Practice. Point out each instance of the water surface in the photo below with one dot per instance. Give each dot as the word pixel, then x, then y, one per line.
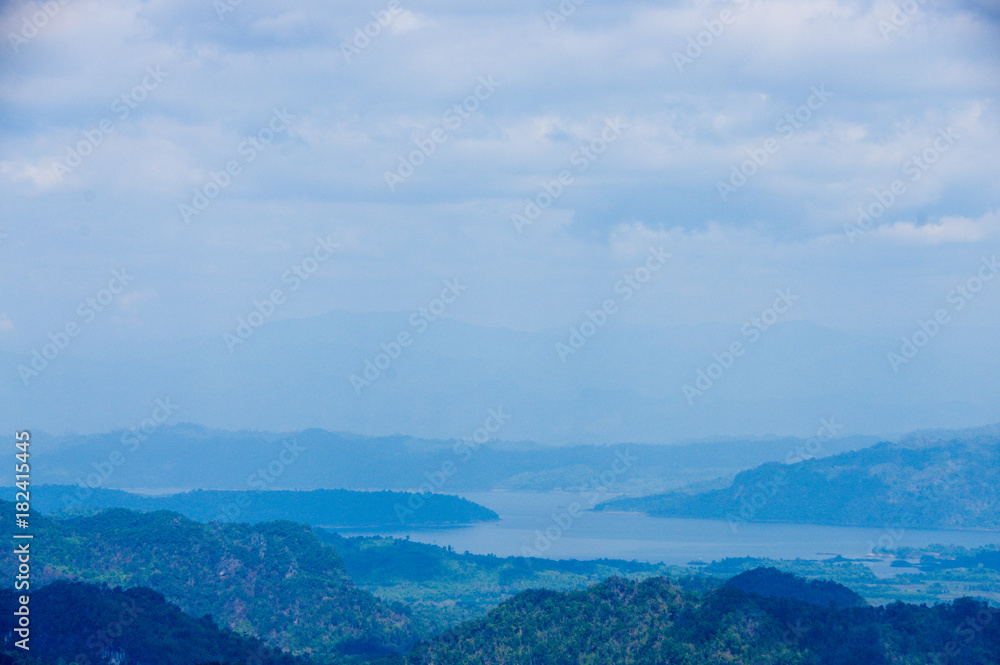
pixel 540 524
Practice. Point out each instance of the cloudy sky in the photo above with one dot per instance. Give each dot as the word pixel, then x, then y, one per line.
pixel 536 151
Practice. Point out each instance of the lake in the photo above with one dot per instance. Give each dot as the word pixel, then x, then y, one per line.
pixel 540 524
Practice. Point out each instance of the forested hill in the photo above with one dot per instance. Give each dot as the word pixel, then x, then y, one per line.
pixel 923 483
pixel 773 583
pixel 332 508
pixel 274 581
pixel 653 622
pixel 86 623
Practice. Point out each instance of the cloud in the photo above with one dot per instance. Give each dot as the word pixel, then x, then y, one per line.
pixel 132 300
pixel 407 21
pixel 42 175
pixel 947 230
pixel 686 132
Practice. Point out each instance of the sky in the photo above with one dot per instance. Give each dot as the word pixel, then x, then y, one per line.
pixel 198 156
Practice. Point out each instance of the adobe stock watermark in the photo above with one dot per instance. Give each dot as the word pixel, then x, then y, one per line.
pixel 813 447
pixel 452 120
pixel 419 321
pixel 101 643
pixel 562 522
pixel 752 502
pixel 86 312
pixel 122 107
pixel 958 298
pixel 786 127
pixel 295 276
pixel 914 167
pixel 563 11
pixel 705 39
pixel 630 283
pixel 462 451
pixel 130 441
pixel 793 633
pixel 261 479
pixel 967 631
pixel 31 26
pixel 582 158
pixel 752 330
pixel 901 16
pixel 363 35
pixel 248 149
pixel 267 475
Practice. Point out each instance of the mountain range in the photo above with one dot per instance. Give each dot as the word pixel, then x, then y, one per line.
pixel 127 588
pixel 943 480
pixel 655 621
pixel 254 460
pixel 273 581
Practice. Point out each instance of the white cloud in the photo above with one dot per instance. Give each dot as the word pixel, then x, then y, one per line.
pixel 657 184
pixel 42 174
pixel 947 230
pixel 407 21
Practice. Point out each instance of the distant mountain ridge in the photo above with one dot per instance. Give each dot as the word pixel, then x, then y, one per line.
pixel 919 482
pixel 243 460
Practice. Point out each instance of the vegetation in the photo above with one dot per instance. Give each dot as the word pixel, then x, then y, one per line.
pixel 937 558
pixel 335 508
pixel 932 586
pixel 293 588
pixel 951 485
pixel 94 625
pixel 773 583
pixel 443 587
pixel 653 622
pixel 274 581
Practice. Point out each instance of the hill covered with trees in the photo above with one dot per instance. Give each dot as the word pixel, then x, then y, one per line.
pixel 274 581
pixel 919 484
pixel 443 587
pixel 92 624
pixel 278 583
pixel 773 583
pixel 332 508
pixel 653 622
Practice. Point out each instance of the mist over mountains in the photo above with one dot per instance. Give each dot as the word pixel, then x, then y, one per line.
pixel 624 383
pixel 190 456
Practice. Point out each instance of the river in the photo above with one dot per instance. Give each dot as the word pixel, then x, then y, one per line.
pixel 540 524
